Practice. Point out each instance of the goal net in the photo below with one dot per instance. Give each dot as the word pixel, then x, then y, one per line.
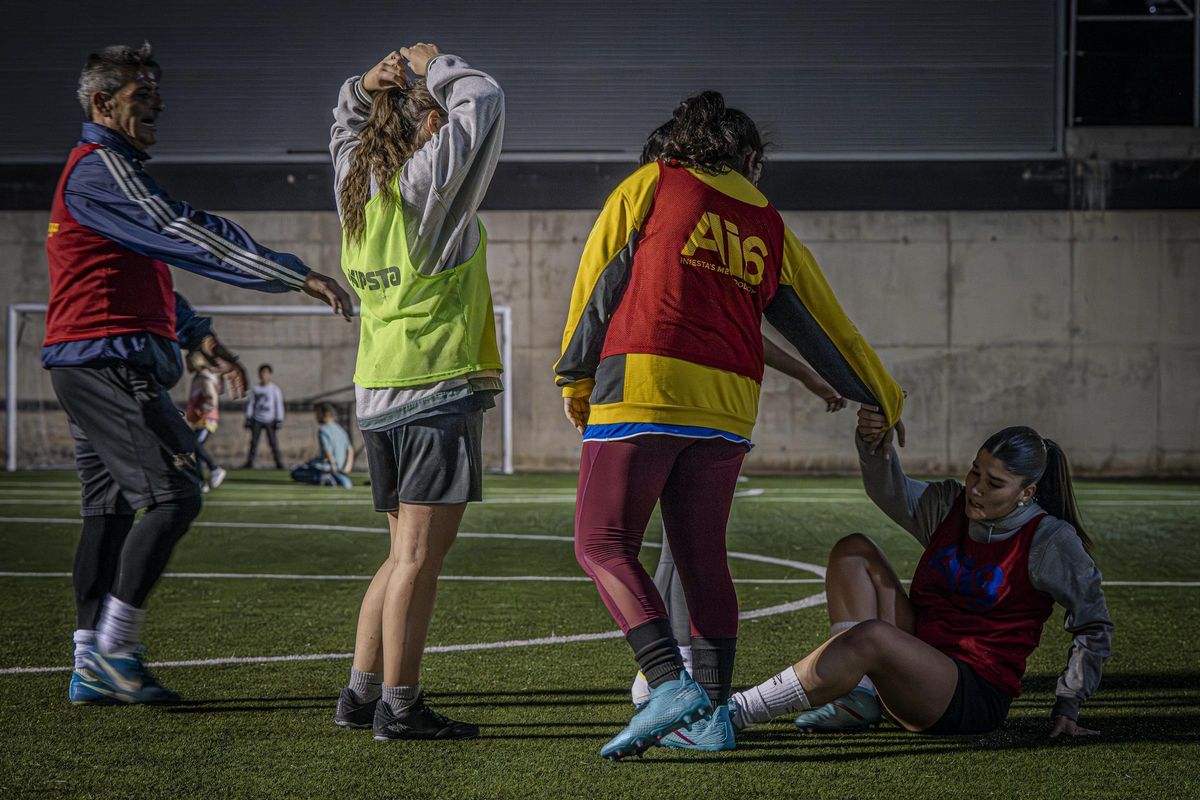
pixel 312 356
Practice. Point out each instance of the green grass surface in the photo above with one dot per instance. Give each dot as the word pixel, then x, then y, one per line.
pixel 265 729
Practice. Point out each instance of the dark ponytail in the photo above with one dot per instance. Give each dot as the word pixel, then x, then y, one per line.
pixel 1041 461
pixel 706 136
pixel 1056 494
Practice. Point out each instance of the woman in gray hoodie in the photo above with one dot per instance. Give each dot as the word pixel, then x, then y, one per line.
pixel 412 161
pixel 947 656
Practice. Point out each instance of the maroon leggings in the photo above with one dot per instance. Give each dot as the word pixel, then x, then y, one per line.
pixel 619 483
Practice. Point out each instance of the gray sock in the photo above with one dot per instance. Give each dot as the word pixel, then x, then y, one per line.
pixel 398 698
pixel 367 686
pixel 120 627
pixel 84 642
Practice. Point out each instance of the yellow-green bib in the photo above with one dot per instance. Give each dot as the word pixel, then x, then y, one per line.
pixel 414 328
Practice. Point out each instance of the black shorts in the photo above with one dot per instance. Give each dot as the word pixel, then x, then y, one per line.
pixel 977 706
pixel 430 461
pixel 133 448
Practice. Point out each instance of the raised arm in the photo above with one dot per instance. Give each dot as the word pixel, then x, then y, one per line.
pixel 445 180
pixel 915 505
pixel 352 110
pixel 1060 567
pixel 809 316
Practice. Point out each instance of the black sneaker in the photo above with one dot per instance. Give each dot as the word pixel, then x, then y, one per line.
pixel 419 721
pixel 354 714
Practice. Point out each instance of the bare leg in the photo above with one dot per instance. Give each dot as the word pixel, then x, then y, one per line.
pixel 424 534
pixel 861 584
pixel 368 640
pixel 915 680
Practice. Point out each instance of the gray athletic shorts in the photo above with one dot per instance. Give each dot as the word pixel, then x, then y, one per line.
pixel 133 448
pixel 431 461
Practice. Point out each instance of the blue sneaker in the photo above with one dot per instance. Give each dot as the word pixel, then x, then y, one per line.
pixel 855 711
pixel 127 678
pixel 674 704
pixel 715 733
pixel 87 689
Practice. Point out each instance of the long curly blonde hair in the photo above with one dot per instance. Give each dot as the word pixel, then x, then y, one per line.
pixel 392 134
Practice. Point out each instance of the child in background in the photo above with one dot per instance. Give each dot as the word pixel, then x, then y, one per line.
pixel 335 454
pixel 203 413
pixel 264 412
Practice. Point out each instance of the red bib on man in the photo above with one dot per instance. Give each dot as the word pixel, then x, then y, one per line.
pixel 98 288
pixel 975 601
pixel 705 267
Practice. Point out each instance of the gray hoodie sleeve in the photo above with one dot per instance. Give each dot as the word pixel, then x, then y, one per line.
pixel 917 506
pixel 444 182
pixel 1060 567
pixel 349 117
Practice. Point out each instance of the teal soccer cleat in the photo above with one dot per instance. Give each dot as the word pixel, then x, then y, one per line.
pixel 855 711
pixel 674 704
pixel 86 689
pixel 127 679
pixel 711 734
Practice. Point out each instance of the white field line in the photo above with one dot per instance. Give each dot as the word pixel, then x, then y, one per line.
pixel 783 608
pixel 363 503
pixel 531 537
pixel 276 576
pixel 782 491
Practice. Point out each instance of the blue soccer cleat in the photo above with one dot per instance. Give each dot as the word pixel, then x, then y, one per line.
pixel 674 704
pixel 855 711
pixel 715 733
pixel 87 689
pixel 128 680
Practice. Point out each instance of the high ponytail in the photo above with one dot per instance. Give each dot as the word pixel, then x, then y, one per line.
pixel 1056 493
pixel 1041 461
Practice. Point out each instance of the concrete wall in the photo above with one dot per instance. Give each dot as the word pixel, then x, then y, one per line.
pixel 1082 324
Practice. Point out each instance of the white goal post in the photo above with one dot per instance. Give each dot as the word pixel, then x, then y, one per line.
pixel 16 310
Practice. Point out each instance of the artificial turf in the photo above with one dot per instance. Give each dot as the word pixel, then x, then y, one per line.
pixel 265 729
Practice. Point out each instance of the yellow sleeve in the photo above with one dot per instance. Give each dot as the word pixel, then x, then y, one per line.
pixel 808 314
pixel 603 274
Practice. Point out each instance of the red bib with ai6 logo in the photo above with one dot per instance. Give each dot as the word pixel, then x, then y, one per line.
pixel 706 266
pixel 975 602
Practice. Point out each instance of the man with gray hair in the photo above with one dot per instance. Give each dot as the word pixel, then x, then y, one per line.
pixel 113 350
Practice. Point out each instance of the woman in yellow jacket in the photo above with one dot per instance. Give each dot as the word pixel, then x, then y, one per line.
pixel 661 368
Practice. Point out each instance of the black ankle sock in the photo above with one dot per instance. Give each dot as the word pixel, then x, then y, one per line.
pixel 712 666
pixel 656 652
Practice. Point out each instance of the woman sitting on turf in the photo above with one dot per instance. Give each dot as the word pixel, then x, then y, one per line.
pixel 412 162
pixel 661 367
pixel 948 656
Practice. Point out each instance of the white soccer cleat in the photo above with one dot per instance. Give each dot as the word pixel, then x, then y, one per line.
pixel 216 478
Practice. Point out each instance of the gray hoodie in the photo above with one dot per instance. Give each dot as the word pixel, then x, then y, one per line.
pixel 1058 564
pixel 441 188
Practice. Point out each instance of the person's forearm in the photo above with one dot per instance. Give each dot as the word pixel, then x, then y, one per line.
pixel 780 360
pixel 1060 567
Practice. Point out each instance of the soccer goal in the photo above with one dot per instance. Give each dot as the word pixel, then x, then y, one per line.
pixel 312 356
